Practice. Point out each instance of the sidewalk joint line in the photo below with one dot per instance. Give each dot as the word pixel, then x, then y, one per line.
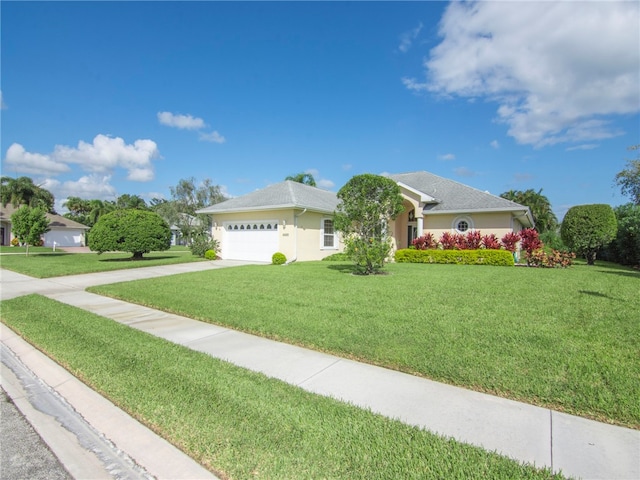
pixel 319 372
pixel 551 437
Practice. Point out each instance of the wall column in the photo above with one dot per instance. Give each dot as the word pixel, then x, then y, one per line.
pixel 420 219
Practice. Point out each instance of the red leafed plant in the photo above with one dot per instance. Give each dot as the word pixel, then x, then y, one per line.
pixel 425 242
pixel 530 240
pixel 448 241
pixel 491 242
pixel 510 241
pixel 473 240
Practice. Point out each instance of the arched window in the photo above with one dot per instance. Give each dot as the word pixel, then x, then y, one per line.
pixel 462 224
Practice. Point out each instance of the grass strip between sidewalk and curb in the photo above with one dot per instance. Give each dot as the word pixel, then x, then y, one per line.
pixel 238 423
pixel 564 339
pixel 47 265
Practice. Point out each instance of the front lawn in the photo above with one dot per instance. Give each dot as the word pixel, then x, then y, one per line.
pixel 237 423
pixel 46 265
pixel 563 339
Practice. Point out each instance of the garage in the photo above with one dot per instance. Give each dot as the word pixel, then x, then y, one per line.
pixel 64 238
pixel 250 240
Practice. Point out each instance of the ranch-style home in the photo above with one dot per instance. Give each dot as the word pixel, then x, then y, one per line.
pixel 62 231
pixel 296 219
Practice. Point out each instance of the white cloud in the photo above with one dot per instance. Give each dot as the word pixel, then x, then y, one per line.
pixel 107 153
pixel 183 122
pixel 584 146
pixel 87 187
pixel 523 177
pixel 413 85
pixel 495 144
pixel 3 106
pixel 556 69
pixel 447 157
pixel 214 137
pixel 32 163
pixel 103 155
pixel 465 172
pixel 407 38
pixel 346 167
pixel 325 183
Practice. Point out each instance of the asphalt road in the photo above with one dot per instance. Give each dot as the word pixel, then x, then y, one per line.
pixel 23 454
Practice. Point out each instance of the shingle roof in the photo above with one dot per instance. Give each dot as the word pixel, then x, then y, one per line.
pixel 452 196
pixel 287 194
pixel 55 221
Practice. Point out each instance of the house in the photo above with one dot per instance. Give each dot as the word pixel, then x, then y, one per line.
pixel 436 205
pixel 296 219
pixel 62 231
pixel 288 217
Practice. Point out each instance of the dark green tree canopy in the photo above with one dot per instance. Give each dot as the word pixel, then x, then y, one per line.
pixel 304 177
pixel 629 179
pixel 544 218
pixel 130 230
pixel 22 191
pixel 367 204
pixel 29 224
pixel 587 228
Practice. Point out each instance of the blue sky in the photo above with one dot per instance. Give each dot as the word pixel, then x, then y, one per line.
pixel 102 99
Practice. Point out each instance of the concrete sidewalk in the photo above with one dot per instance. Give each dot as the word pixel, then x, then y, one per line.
pixel 576 446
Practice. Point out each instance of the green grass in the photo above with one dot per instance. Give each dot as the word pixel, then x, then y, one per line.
pixel 23 250
pixel 58 264
pixel 237 423
pixel 563 339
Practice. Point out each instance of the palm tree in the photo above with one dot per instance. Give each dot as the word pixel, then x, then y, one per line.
pixel 305 178
pixel 99 208
pixel 22 191
pixel 539 205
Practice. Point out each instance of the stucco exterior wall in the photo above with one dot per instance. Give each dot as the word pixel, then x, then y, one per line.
pixel 499 223
pixel 302 243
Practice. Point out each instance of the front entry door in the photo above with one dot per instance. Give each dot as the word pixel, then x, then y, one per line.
pixel 412 233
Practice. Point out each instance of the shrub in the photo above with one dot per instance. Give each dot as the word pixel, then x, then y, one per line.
pixel 530 242
pixel 130 230
pixel 587 228
pixel 473 240
pixel 15 242
pixel 336 257
pixel 510 241
pixel 201 244
pixel 278 258
pixel 448 241
pixel 491 242
pixel 555 259
pixel 210 254
pixel 458 257
pixel 625 249
pixel 425 242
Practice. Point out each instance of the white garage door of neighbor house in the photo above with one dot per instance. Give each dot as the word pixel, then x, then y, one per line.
pixel 255 241
pixel 63 238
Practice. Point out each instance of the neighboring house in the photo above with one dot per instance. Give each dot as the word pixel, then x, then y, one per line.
pixel 296 219
pixel 177 238
pixel 62 231
pixel 287 217
pixel 436 205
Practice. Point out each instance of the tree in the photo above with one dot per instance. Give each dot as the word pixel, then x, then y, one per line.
pixel 625 249
pixel 22 191
pixel 29 224
pixel 544 218
pixel 130 230
pixel 305 178
pixel 131 201
pixel 367 203
pixel 587 228
pixel 187 197
pixel 629 179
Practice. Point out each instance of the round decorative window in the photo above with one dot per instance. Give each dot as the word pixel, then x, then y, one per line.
pixel 462 224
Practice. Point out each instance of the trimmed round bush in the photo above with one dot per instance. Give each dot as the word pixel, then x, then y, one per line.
pixel 130 230
pixel 278 258
pixel 210 255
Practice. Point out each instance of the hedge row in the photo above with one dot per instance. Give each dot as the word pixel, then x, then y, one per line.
pixel 458 257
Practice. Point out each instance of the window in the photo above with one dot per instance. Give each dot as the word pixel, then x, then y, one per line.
pixel 328 234
pixel 462 224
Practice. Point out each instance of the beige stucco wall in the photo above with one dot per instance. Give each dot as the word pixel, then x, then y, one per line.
pixel 302 243
pixel 499 223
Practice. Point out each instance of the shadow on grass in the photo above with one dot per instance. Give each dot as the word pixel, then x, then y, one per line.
pixel 596 294
pixel 342 268
pixel 132 259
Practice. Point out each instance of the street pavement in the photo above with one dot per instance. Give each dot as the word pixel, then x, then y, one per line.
pixel 573 445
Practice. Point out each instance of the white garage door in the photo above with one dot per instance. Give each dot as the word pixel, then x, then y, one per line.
pixel 255 241
pixel 64 238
